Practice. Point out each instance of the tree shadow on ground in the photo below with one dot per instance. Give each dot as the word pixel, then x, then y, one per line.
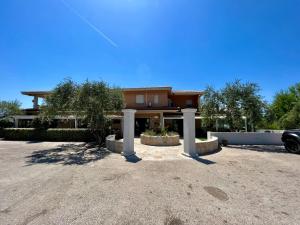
pixel 261 148
pixel 68 154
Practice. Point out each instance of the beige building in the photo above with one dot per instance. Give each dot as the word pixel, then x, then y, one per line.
pixel 156 107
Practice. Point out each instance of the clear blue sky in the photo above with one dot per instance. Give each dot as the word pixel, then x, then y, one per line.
pixel 186 44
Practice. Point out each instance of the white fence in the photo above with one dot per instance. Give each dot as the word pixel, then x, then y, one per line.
pixel 248 138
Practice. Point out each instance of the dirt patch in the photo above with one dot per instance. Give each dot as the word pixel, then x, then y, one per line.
pixel 7 210
pixel 113 177
pixel 173 220
pixel 216 192
pixel 34 216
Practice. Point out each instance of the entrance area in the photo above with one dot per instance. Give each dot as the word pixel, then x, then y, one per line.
pixel 175 125
pixel 141 125
pixel 150 152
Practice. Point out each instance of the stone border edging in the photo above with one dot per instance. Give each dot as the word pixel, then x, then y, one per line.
pixel 114 145
pixel 160 140
pixel 207 147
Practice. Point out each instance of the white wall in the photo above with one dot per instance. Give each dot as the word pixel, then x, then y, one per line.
pixel 248 138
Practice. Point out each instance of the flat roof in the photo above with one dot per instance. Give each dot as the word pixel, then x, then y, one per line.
pixel 188 92
pixel 166 88
pixel 41 94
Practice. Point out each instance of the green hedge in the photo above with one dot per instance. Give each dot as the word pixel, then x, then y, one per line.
pixel 32 134
pixel 1 132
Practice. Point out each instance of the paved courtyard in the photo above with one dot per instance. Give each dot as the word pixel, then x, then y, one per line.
pixel 45 183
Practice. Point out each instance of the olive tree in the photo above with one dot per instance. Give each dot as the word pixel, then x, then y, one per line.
pixel 285 109
pixel 9 108
pixel 234 101
pixel 91 101
pixel 211 107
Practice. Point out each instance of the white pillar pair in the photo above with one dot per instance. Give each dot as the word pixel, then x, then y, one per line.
pixel 188 132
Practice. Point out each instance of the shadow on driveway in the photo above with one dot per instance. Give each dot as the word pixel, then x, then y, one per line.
pixel 68 154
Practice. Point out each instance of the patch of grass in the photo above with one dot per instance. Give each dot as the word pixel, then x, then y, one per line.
pixel 202 139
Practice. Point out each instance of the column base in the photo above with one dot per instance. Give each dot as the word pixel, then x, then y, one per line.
pixel 190 156
pixel 127 154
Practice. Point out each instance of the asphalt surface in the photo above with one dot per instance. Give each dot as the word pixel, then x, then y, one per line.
pixel 42 183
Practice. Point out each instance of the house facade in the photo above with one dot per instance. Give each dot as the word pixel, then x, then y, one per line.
pixel 157 107
pixel 160 107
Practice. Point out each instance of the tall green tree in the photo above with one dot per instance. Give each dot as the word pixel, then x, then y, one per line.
pixel 235 101
pixel 252 105
pixel 211 107
pixel 10 108
pixel 91 101
pixel 231 98
pixel 284 110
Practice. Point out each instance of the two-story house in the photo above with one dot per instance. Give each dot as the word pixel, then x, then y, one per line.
pixel 160 107
pixel 157 107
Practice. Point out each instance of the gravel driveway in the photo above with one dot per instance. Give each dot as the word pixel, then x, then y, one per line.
pixel 44 183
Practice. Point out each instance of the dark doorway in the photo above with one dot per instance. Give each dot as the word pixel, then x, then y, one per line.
pixel 141 125
pixel 175 125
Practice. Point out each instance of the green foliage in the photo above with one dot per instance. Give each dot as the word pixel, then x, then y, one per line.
pixel 160 132
pixel 41 123
pixel 234 101
pixel 91 101
pixel 6 123
pixel 9 108
pixel 31 134
pixel 210 107
pixel 62 100
pixel 284 110
pixel 291 120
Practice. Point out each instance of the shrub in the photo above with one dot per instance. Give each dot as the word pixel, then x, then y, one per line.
pixel 161 132
pixel 5 123
pixel 40 123
pixel 150 132
pixel 31 134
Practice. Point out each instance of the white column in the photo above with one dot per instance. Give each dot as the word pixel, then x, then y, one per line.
pixel 16 122
pixel 128 132
pixel 189 132
pixel 162 125
pixel 76 123
pixel 246 127
pixel 35 102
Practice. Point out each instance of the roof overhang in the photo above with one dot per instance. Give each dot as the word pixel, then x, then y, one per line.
pixel 148 89
pixel 188 92
pixel 41 94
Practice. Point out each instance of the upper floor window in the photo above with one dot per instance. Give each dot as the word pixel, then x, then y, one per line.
pixel 189 102
pixel 139 99
pixel 156 100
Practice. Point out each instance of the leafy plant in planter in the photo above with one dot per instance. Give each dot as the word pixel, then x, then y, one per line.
pixel 160 132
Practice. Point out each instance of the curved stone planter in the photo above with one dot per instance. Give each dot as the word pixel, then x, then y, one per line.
pixel 207 147
pixel 114 145
pixel 160 140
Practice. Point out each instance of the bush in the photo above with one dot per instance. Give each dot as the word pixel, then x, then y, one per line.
pixel 160 132
pixel 5 123
pixel 31 134
pixel 39 123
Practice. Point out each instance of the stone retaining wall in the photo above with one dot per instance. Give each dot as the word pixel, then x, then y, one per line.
pixel 206 147
pixel 114 145
pixel 160 140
